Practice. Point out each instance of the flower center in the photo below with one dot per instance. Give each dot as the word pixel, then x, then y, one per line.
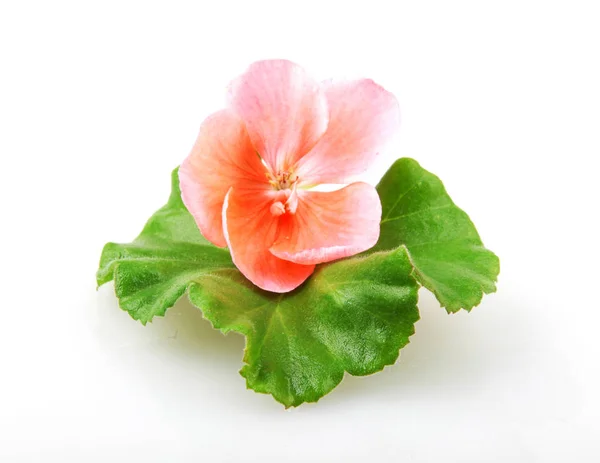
pixel 282 180
pixel 285 182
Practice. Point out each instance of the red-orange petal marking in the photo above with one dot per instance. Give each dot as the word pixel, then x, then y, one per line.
pixel 250 229
pixel 222 157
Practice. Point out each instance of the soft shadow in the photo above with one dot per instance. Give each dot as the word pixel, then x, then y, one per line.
pixel 182 331
pixel 179 360
pixel 446 353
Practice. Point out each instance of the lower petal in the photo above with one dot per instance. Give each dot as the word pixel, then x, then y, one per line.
pixel 250 229
pixel 329 226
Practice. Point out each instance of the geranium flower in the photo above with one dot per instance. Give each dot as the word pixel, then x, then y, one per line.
pixel 247 180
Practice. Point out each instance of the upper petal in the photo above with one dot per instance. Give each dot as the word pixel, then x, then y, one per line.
pixel 284 109
pixel 329 226
pixel 250 229
pixel 222 157
pixel 362 118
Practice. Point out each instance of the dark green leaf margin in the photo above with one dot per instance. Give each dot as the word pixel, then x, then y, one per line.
pixel 444 246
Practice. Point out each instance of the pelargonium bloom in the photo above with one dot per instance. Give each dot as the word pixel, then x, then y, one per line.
pixel 247 180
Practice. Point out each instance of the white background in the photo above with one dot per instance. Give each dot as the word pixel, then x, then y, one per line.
pixel 100 100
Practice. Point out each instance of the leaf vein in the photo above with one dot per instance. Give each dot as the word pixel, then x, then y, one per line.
pixel 421 180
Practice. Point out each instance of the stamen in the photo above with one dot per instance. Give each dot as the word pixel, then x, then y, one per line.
pixel 282 180
pixel 272 180
pixel 286 182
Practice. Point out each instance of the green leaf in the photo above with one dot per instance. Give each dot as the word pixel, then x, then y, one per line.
pixel 443 244
pixel 153 271
pixel 353 315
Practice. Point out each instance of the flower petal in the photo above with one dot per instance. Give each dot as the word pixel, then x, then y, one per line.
pixel 285 110
pixel 329 226
pixel 362 118
pixel 222 157
pixel 250 229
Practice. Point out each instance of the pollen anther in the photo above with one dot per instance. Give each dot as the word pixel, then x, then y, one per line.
pixel 282 180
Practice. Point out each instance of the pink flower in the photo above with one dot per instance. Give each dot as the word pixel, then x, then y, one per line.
pixel 246 181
